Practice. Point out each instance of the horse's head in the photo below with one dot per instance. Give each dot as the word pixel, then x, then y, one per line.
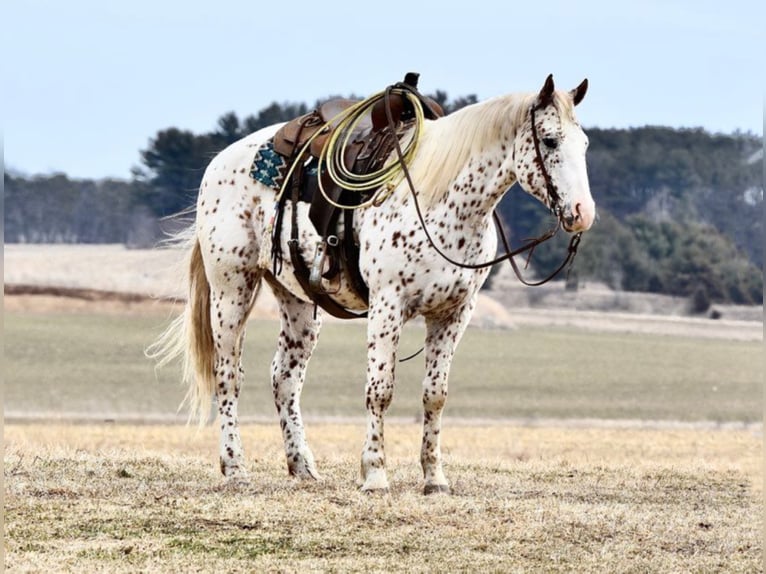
pixel 549 153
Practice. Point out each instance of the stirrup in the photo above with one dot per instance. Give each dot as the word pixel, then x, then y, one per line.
pixel 317 267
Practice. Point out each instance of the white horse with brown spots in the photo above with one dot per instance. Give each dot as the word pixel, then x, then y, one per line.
pixel 463 165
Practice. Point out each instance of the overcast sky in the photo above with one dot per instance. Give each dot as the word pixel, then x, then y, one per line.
pixel 88 83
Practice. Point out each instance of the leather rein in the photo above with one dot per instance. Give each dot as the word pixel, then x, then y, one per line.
pixel 509 255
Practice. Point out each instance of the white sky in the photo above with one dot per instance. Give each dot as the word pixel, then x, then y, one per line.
pixel 87 83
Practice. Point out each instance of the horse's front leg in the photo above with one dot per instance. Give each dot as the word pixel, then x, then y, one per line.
pixel 443 333
pixel 297 339
pixel 383 328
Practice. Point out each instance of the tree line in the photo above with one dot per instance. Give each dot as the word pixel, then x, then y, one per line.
pixel 680 210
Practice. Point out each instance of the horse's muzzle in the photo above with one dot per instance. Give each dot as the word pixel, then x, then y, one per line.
pixel 579 218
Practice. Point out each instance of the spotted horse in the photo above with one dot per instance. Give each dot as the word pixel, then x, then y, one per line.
pixel 419 253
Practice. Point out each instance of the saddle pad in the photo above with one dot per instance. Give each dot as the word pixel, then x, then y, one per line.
pixel 269 167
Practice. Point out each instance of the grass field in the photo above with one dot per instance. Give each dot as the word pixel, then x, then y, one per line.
pixel 114 497
pixel 94 365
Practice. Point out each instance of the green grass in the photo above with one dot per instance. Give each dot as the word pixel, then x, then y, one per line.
pixel 65 363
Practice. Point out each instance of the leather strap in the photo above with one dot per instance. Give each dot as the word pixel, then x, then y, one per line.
pixel 302 271
pixel 550 188
pixel 350 255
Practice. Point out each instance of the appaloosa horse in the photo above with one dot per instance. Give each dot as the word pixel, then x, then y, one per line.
pixel 463 165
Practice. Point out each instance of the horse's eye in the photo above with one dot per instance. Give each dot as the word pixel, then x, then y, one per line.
pixel 550 143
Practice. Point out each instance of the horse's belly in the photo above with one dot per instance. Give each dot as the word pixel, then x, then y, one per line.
pixel 338 287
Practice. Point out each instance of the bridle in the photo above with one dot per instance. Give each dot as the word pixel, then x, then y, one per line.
pixel 553 194
pixel 530 244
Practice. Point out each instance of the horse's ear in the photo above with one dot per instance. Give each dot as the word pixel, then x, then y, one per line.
pixel 579 92
pixel 545 96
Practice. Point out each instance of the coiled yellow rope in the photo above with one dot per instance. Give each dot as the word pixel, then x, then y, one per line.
pixel 385 180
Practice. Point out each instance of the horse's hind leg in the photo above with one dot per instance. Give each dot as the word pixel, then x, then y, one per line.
pixel 231 297
pixel 297 340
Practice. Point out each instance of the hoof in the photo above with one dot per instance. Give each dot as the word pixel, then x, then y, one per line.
pixel 436 488
pixel 306 475
pixel 233 474
pixel 302 466
pixel 237 481
pixel 375 491
pixel 374 480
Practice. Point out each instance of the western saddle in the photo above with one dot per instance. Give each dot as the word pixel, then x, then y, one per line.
pixel 370 143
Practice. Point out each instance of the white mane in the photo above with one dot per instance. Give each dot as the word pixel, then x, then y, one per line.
pixel 447 144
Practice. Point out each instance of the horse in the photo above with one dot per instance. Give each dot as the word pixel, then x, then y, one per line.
pixel 463 165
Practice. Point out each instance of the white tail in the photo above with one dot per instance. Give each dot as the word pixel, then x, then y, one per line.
pixel 190 338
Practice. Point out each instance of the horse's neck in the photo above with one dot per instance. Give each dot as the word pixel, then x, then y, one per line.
pixel 480 185
pixel 468 157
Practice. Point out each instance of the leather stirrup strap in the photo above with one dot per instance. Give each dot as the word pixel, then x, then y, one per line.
pixel 351 258
pixel 302 271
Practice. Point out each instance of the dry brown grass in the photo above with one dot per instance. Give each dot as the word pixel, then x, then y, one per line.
pixel 119 498
pixel 148 498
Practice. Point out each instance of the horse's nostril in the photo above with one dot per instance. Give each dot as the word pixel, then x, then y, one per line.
pixel 578 215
